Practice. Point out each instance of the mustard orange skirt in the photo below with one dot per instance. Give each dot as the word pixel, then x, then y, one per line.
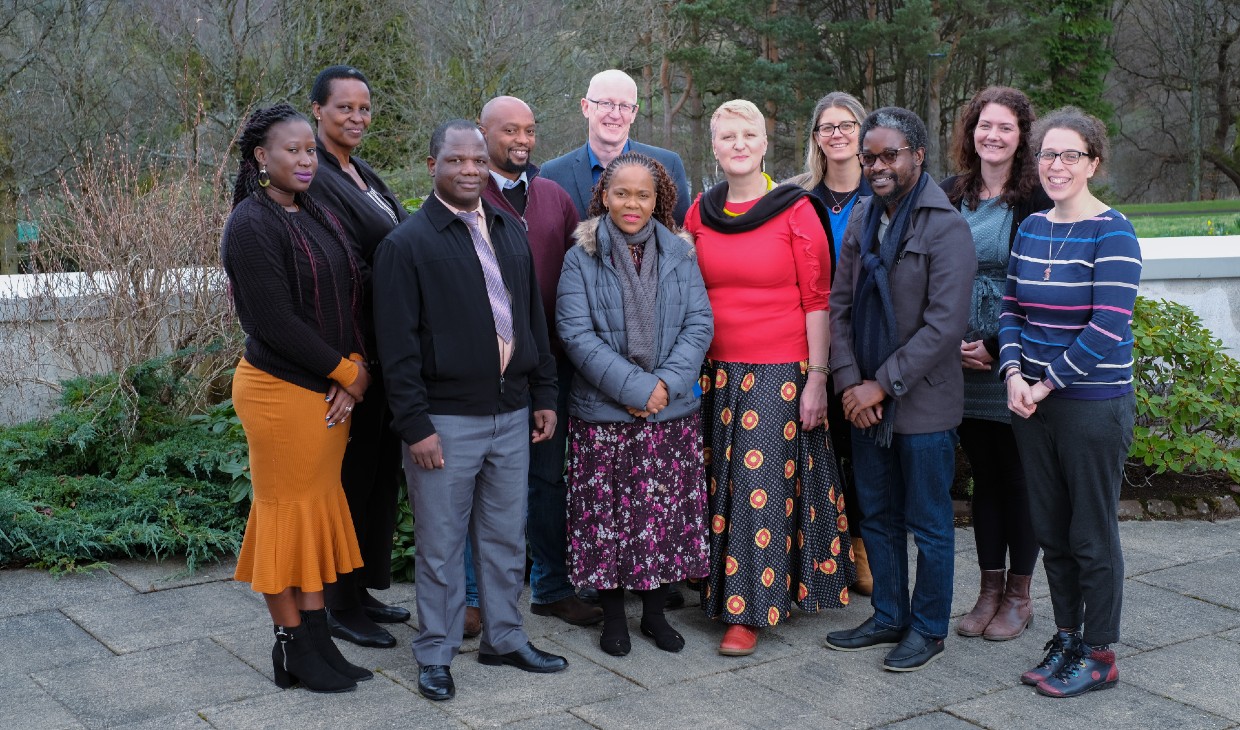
pixel 300 533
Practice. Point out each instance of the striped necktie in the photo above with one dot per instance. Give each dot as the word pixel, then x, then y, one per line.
pixel 501 309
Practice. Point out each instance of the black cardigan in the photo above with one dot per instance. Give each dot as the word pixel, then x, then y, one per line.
pixel 298 319
pixel 1037 201
pixel 435 329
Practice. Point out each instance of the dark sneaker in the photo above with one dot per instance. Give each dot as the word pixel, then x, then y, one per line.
pixel 1087 669
pixel 1057 649
pixel 868 635
pixel 914 652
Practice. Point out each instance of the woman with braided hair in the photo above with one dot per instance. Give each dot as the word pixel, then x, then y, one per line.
pixel 295 283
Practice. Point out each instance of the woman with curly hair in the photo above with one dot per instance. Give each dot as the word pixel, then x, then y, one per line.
pixel 295 283
pixel 997 188
pixel 632 312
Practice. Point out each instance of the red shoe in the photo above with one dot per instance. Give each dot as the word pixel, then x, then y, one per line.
pixel 739 640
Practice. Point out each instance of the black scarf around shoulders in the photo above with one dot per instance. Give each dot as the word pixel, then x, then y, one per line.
pixel 776 201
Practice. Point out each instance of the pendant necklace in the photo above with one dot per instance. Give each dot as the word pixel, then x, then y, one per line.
pixel 837 204
pixel 1046 273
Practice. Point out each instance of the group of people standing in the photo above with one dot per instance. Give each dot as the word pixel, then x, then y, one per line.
pixel 758 392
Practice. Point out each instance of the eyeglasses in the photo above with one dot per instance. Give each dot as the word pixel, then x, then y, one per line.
pixel 609 106
pixel 1068 157
pixel 887 156
pixel 828 129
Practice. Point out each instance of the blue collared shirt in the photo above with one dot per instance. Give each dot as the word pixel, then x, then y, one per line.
pixel 504 183
pixel 596 167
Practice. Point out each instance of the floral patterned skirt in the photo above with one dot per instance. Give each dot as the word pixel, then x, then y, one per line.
pixel 778 531
pixel 636 503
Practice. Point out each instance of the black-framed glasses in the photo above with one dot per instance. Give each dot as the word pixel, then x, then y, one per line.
pixel 887 156
pixel 1069 157
pixel 827 129
pixel 609 106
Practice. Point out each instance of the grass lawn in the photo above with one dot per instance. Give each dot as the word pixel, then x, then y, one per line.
pixel 1201 206
pixel 1157 226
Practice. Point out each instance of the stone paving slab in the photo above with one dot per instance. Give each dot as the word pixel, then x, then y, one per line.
pixel 1212 579
pixel 491 696
pixel 1123 706
pixel 1154 617
pixel 145 576
pixel 1203 672
pixel 150 684
pixel 563 720
pixel 36 641
pixel 26 705
pixel 187 720
pixel 716 701
pixel 145 621
pixel 862 694
pixel 28 591
pixel 932 721
pixel 1156 545
pixel 376 703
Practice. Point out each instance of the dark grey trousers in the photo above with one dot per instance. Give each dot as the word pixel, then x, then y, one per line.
pixel 480 493
pixel 1074 452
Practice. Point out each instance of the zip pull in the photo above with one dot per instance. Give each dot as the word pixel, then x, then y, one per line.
pixel 501 385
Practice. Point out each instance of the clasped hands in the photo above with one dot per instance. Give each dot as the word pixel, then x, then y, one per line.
pixel 863 403
pixel 341 400
pixel 658 401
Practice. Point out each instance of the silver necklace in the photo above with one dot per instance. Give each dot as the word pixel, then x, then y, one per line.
pixel 1046 273
pixel 837 204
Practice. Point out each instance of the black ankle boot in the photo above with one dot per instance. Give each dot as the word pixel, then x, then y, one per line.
pixel 615 638
pixel 295 659
pixel 654 624
pixel 320 636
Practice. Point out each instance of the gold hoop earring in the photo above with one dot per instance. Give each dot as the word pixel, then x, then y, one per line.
pixel 263 178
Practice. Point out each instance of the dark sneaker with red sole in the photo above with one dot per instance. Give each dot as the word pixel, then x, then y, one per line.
pixel 1089 668
pixel 1057 649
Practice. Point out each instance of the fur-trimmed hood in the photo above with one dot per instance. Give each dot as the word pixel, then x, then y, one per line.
pixel 586 236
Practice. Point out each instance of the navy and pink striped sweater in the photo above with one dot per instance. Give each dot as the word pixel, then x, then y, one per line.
pixel 1072 326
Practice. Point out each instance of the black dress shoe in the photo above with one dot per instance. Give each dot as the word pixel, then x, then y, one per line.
pixel 569 609
pixel 913 653
pixel 527 658
pixel 869 635
pixel 589 595
pixel 387 614
pixel 379 638
pixel 435 682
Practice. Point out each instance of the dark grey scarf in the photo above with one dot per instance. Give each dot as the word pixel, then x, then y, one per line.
pixel 638 289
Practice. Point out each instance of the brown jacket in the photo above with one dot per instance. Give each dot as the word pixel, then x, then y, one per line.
pixel 931 285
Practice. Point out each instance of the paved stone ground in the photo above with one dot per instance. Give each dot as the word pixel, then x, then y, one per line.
pixel 144 646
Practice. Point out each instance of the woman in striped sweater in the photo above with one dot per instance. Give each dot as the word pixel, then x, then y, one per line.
pixel 1066 357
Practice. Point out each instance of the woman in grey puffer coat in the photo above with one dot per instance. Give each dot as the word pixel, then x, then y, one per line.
pixel 635 321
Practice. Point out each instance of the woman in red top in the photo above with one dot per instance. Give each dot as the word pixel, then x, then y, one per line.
pixel 778 531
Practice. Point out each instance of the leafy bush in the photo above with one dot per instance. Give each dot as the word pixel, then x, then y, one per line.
pixel 119 471
pixel 1188 393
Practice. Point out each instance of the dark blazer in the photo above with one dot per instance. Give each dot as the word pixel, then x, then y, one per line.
pixel 572 172
pixel 931 285
pixel 435 328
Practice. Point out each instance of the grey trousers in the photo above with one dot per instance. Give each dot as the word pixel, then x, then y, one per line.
pixel 1074 452
pixel 481 491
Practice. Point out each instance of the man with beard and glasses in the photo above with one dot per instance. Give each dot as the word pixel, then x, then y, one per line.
pixel 610 106
pixel 899 308
pixel 550 218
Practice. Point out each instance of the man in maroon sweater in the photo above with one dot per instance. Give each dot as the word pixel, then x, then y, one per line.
pixel 550 218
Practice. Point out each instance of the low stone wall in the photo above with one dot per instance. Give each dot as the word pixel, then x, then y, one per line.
pixel 1202 272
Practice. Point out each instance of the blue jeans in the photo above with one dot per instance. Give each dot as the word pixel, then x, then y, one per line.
pixel 546 527
pixel 907 488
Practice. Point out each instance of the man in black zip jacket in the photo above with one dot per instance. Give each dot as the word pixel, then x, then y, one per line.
pixel 464 347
